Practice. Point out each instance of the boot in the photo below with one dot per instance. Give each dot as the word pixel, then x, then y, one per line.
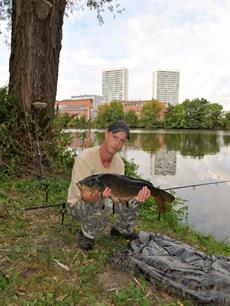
pixel 85 243
pixel 131 236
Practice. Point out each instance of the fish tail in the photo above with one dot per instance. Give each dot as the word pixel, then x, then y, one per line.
pixel 162 198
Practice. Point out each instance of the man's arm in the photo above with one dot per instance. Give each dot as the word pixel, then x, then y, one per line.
pixel 80 170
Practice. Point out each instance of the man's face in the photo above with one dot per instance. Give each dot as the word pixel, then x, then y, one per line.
pixel 115 141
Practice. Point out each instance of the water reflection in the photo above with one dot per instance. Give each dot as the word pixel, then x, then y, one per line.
pixel 226 139
pixel 165 162
pixel 194 144
pixel 174 158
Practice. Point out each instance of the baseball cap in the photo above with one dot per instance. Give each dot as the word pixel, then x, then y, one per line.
pixel 118 126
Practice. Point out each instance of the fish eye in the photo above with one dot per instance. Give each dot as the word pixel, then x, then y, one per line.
pixel 90 183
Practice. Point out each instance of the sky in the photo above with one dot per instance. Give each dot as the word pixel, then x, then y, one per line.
pixel 192 36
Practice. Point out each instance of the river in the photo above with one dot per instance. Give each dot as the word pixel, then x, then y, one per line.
pixel 170 158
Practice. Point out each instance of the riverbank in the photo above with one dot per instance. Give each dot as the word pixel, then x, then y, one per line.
pixel 41 263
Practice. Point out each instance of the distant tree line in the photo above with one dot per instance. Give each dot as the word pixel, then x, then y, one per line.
pixel 195 114
pixel 190 114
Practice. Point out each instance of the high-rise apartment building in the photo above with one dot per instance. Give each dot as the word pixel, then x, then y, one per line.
pixel 115 85
pixel 166 86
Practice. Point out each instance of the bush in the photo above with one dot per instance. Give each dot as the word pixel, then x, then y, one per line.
pixel 131 168
pixel 18 145
pixel 10 145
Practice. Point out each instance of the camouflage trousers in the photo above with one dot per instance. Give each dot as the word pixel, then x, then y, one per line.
pixel 94 217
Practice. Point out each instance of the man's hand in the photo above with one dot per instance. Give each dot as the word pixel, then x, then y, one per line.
pixel 106 193
pixel 143 195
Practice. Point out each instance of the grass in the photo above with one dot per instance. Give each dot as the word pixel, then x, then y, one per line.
pixel 41 264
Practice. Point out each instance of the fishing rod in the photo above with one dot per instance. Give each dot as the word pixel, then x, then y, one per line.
pixel 46 206
pixel 63 211
pixel 196 185
pixel 63 205
pixel 193 185
pixel 172 188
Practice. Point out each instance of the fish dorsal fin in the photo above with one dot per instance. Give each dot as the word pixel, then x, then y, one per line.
pixel 136 180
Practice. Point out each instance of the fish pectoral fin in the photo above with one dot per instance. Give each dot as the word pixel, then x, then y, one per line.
pixel 119 200
pixel 94 193
pixel 101 201
pixel 123 201
pixel 115 199
pixel 100 196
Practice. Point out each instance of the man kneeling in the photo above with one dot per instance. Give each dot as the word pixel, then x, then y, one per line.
pixel 94 212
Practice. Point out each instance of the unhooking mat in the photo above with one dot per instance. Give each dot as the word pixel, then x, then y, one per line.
pixel 177 268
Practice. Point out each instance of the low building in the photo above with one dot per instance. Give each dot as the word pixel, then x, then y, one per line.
pixel 136 106
pixel 85 105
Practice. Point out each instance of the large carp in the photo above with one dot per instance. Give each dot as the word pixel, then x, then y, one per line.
pixel 124 188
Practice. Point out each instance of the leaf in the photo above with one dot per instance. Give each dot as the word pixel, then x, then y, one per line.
pixel 62 265
pixel 61 298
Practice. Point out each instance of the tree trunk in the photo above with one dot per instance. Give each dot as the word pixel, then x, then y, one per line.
pixel 35 49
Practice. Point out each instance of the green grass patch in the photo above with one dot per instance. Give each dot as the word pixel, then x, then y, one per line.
pixel 41 263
